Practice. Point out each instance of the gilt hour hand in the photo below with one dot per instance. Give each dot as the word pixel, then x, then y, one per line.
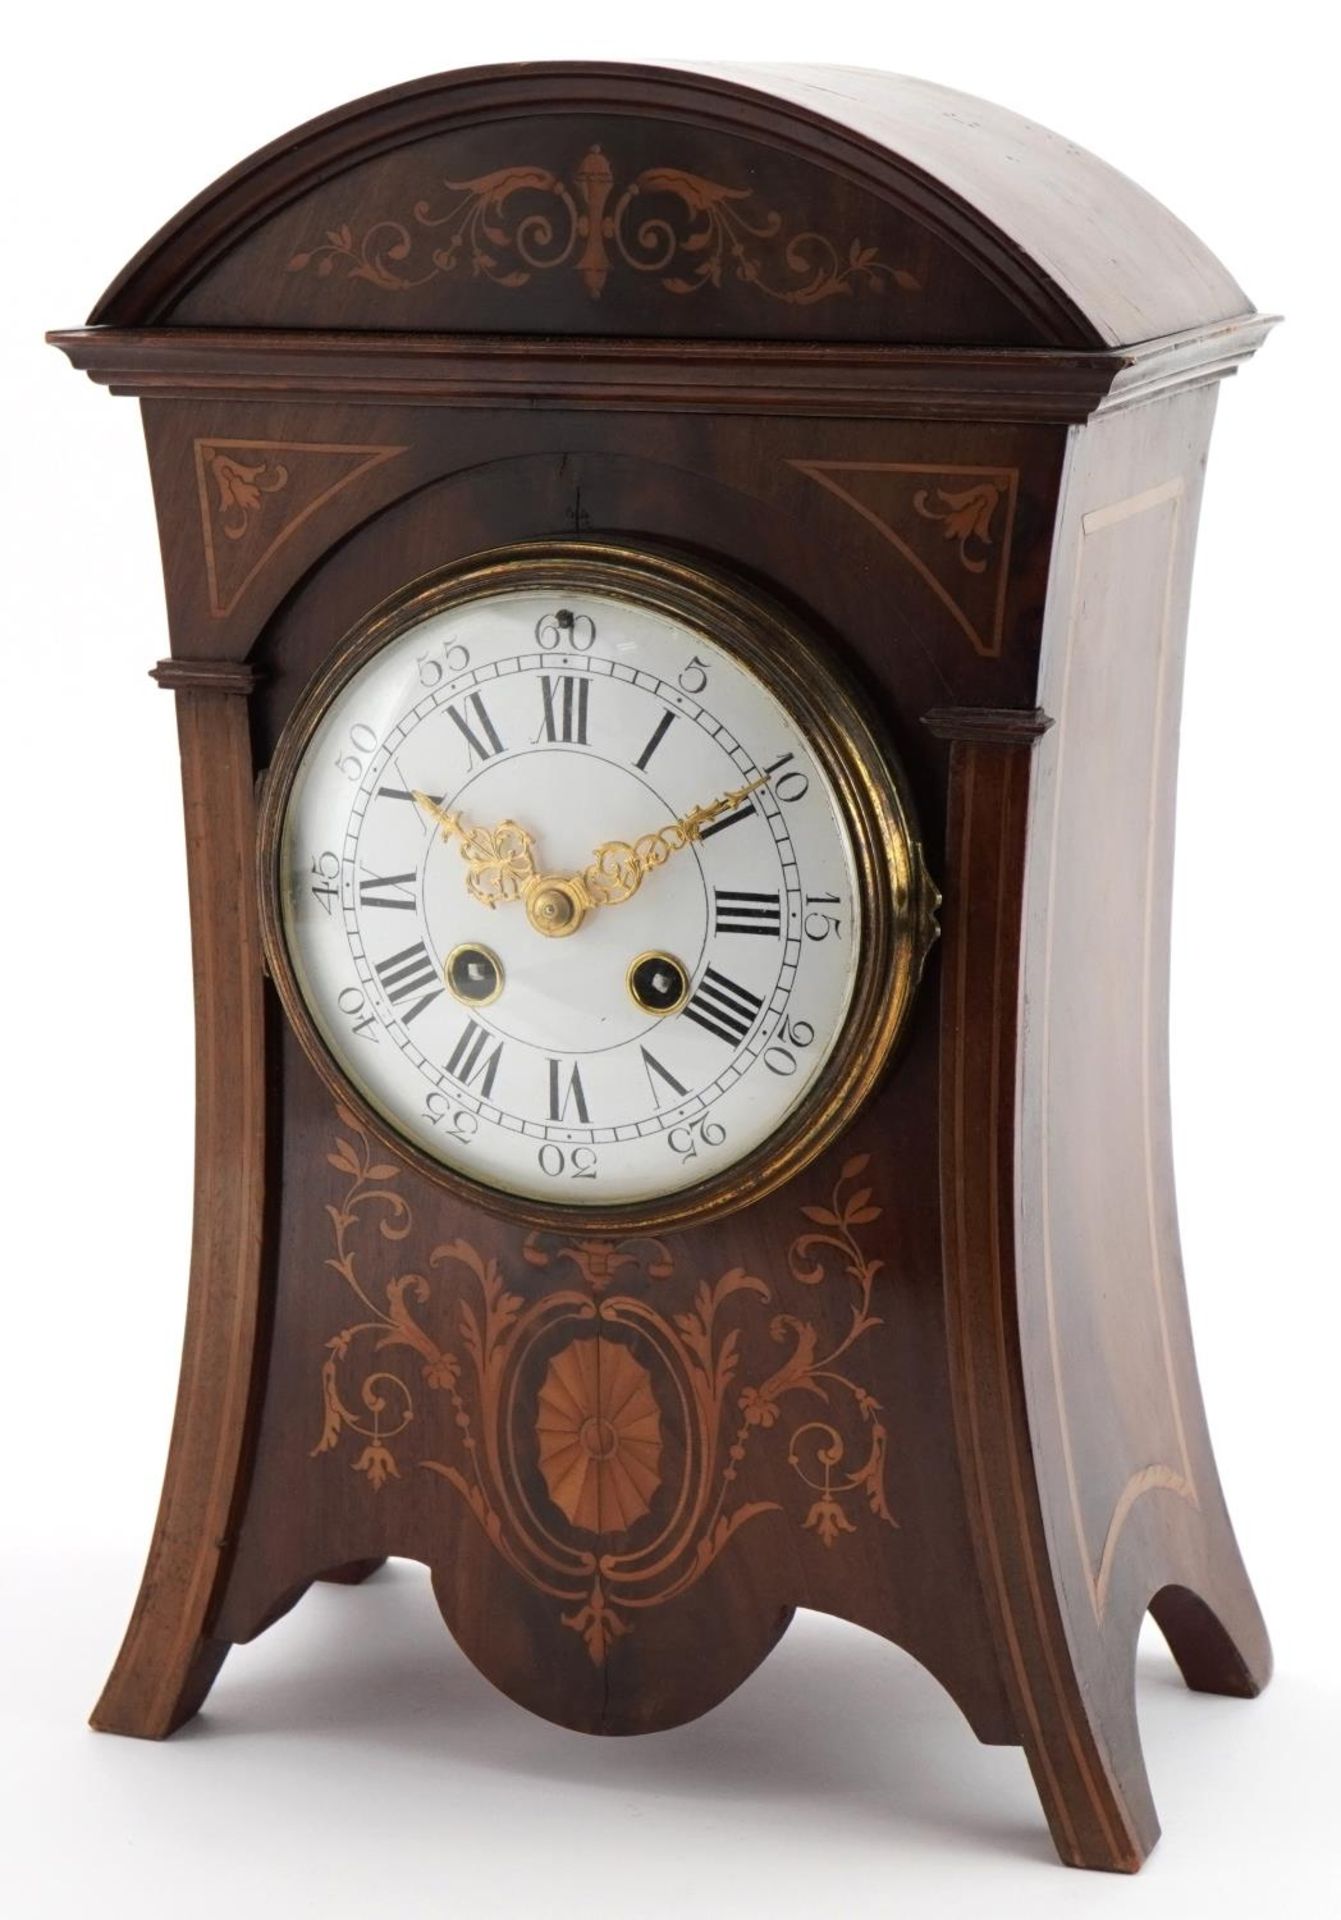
pixel 500 860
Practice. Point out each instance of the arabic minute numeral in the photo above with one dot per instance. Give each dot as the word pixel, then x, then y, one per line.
pixel 566 629
pixel 353 1004
pixel 434 667
pixel 792 1037
pixel 821 918
pixel 694 677
pixel 684 1141
pixel 353 756
pixel 326 874
pixel 453 1122
pixel 790 786
pixel 579 1163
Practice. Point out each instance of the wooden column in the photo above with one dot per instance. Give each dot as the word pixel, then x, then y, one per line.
pixel 1094 1823
pixel 168 1659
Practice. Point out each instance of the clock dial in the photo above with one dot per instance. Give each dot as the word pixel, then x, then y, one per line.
pixel 569 893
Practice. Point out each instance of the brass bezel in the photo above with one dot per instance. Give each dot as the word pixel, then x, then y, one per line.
pixel 898 897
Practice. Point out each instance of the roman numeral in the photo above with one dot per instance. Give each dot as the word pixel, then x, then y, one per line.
pixel 722 1007
pixel 388 890
pixel 470 1063
pixel 406 793
pixel 651 1066
pixel 484 748
pixel 659 732
pixel 409 973
pixel 560 1098
pixel 747 912
pixel 565 696
pixel 726 820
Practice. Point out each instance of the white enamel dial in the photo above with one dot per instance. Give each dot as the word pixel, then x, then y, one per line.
pixel 638 1040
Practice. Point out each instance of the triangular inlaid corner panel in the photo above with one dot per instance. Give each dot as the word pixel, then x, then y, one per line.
pixel 952 524
pixel 254 494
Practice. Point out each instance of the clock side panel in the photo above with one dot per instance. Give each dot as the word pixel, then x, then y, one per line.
pixel 1136 1513
pixel 787 1364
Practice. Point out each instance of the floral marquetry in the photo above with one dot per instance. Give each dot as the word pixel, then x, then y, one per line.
pixel 254 495
pixel 596 1435
pixel 687 231
pixel 953 526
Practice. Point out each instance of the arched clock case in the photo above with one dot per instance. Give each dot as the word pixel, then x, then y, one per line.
pixel 677 585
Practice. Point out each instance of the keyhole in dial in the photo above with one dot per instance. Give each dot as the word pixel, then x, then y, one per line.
pixel 658 983
pixel 474 974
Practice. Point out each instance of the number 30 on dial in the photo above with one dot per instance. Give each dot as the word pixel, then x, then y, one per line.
pixel 591 886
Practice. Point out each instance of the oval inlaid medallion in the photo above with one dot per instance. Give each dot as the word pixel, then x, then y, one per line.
pixel 598 1430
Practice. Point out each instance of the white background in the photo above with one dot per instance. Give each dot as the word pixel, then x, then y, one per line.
pixel 350 1761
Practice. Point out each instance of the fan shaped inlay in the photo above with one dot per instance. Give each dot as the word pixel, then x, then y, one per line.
pixel 598 1430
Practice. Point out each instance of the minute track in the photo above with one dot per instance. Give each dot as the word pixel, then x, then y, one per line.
pixel 719 1083
pixel 561 757
pixel 698 1100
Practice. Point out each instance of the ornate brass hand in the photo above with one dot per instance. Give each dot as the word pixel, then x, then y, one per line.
pixel 621 866
pixel 501 863
pixel 500 860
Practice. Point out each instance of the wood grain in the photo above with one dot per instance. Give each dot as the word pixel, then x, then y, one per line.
pixel 974 476
pixel 719 377
pixel 170 1655
pixel 1068 252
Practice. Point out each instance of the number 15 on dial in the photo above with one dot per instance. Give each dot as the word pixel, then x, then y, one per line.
pixel 589 882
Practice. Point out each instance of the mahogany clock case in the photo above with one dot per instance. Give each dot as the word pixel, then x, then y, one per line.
pixel 941 385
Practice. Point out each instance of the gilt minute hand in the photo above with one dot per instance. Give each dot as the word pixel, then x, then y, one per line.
pixel 620 866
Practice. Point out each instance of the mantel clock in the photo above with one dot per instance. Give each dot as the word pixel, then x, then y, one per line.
pixel 677 583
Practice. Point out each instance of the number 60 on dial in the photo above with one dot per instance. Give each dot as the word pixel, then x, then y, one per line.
pixel 590 883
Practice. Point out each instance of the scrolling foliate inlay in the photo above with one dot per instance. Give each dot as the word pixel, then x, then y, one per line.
pixel 952 524
pixel 561 1407
pixel 687 231
pixel 255 494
